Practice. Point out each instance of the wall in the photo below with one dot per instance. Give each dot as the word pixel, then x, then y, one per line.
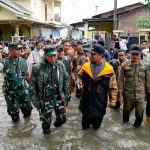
pixel 24 3
pixel 128 20
pixel 36 31
pixel 6 14
pixel 7 31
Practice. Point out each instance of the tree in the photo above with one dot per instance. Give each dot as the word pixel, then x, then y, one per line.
pixel 142 21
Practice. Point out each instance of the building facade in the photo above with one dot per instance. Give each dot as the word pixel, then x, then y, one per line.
pixel 29 18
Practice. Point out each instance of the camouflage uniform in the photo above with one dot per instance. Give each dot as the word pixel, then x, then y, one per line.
pixel 67 62
pixel 132 81
pixel 15 87
pixel 49 89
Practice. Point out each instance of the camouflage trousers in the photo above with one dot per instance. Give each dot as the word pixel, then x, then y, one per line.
pixel 46 115
pixel 16 102
pixel 129 105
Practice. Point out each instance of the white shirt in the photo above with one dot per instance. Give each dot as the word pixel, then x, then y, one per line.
pixel 35 57
pixel 123 44
pixel 146 55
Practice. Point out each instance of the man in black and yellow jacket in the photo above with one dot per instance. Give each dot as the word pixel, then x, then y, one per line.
pixel 99 80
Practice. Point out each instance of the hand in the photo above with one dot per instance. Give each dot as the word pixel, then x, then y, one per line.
pixel 111 105
pixel 66 103
pixel 1 69
pixel 121 98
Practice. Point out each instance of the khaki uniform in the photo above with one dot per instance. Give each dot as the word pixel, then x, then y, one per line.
pixel 133 82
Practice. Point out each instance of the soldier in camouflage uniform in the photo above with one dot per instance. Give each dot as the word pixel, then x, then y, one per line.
pixel 65 59
pixel 49 89
pixel 134 76
pixel 15 88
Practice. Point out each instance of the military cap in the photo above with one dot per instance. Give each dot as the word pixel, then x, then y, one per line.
pixel 13 45
pixel 135 49
pixel 50 50
pixel 97 49
pixel 87 47
pixel 60 49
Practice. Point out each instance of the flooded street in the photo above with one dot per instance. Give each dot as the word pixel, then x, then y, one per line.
pixel 113 134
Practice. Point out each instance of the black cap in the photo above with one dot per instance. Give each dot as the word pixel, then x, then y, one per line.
pixel 97 49
pixel 60 49
pixel 135 49
pixel 79 42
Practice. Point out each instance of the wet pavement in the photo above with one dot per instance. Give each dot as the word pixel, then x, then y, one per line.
pixel 113 134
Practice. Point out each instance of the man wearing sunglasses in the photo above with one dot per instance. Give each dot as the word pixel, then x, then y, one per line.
pixel 15 89
pixel 98 79
pixel 134 79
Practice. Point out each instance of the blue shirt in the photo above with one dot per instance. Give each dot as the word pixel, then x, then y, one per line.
pixel 96 69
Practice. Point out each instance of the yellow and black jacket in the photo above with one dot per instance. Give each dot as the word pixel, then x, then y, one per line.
pixel 95 91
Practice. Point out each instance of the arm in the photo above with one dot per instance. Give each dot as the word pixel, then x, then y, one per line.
pixel 121 84
pixel 33 88
pixel 121 81
pixel 66 84
pixel 148 80
pixel 1 67
pixel 27 77
pixel 113 90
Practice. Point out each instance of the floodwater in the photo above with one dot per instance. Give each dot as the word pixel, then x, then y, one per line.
pixel 112 135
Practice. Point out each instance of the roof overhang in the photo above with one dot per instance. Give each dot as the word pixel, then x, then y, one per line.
pixel 14 7
pixel 91 20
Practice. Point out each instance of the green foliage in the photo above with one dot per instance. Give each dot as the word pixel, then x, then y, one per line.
pixel 142 21
pixel 147 2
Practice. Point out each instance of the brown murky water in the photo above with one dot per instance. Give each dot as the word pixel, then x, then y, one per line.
pixel 113 134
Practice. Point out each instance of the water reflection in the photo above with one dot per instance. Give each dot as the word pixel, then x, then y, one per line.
pixel 113 134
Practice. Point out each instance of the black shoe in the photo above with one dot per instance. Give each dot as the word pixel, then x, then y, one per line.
pixel 46 131
pixel 85 128
pixel 27 115
pixel 59 122
pixel 15 118
pixel 137 123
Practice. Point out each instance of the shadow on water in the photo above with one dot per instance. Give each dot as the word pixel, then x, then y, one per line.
pixel 113 134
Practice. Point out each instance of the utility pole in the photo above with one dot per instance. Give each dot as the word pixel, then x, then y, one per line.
pixel 96 8
pixel 115 15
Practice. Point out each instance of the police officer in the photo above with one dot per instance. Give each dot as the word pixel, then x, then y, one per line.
pixel 49 89
pixel 98 80
pixel 134 75
pixel 15 89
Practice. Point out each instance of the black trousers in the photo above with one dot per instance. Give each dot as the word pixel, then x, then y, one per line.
pixel 94 121
pixel 148 108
